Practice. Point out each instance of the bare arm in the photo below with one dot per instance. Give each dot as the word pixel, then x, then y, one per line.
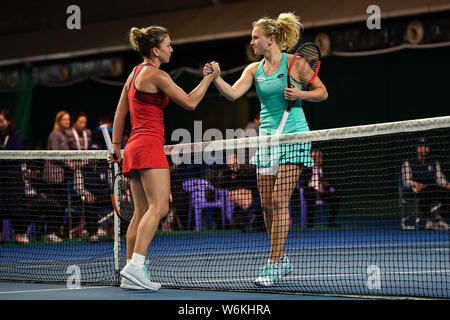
pixel 440 177
pixel 407 176
pixel 240 87
pixel 119 119
pixel 317 93
pixel 187 101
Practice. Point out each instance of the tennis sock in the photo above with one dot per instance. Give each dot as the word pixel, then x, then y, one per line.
pixel 138 259
pixel 271 262
pixel 128 261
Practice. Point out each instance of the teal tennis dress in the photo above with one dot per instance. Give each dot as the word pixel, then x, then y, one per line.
pixel 270 90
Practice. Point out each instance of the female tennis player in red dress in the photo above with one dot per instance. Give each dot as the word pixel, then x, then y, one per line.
pixel 145 95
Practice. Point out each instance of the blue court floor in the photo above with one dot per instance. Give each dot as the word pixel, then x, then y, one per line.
pixel 34 291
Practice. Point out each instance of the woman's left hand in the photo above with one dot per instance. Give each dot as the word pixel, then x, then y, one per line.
pixel 294 93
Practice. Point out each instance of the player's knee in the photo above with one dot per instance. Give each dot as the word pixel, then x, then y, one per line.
pixel 161 210
pixel 277 203
pixel 267 209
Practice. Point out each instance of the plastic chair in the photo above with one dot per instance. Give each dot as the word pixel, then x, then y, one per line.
pixel 198 188
pixel 8 230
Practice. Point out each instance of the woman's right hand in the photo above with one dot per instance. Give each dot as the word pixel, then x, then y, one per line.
pixel 117 153
pixel 211 69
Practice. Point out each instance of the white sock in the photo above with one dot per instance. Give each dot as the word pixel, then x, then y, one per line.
pixel 128 261
pixel 138 259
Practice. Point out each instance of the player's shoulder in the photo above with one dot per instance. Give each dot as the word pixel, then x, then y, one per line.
pixel 154 75
pixel 252 67
pixel 289 57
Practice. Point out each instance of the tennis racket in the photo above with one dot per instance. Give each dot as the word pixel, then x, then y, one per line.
pixel 120 187
pixel 303 69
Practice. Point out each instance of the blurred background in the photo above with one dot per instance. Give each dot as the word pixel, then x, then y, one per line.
pixel 397 72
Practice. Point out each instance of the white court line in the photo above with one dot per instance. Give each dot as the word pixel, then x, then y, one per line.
pixel 302 254
pixel 47 290
pixel 325 276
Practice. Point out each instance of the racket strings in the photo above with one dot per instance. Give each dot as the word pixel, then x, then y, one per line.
pixel 305 65
pixel 124 198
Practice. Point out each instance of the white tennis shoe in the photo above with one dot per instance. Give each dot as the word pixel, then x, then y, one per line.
pixel 139 276
pixel 127 284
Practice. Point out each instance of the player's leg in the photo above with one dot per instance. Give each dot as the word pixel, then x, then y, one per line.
pixel 156 186
pixel 140 208
pixel 265 188
pixel 285 183
pixel 278 264
pixel 266 183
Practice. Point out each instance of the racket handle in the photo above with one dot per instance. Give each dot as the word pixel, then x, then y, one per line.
pixel 282 122
pixel 107 138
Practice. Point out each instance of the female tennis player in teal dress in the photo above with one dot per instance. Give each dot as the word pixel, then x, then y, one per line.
pixel 278 168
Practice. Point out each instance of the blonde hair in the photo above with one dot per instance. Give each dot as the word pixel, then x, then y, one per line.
pixel 143 40
pixel 286 29
pixel 58 118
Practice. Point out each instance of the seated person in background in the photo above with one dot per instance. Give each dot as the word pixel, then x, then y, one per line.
pixel 92 182
pixel 252 128
pixel 39 206
pixel 12 191
pixel 320 187
pixel 425 177
pixel 170 222
pixel 240 181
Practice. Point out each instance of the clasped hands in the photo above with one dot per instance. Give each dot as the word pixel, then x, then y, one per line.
pixel 211 68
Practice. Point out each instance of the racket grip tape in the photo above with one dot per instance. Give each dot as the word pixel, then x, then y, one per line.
pixel 108 142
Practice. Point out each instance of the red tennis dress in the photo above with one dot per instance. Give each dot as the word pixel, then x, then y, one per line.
pixel 145 147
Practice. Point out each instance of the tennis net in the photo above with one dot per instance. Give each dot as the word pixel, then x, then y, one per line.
pixel 348 215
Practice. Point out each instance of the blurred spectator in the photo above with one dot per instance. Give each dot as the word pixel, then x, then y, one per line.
pixel 79 137
pixel 178 174
pixel 12 187
pixel 170 222
pixel 320 188
pixel 240 181
pixel 92 184
pixel 10 136
pixel 98 142
pixel 45 210
pixel 252 128
pixel 57 172
pixel 57 140
pixel 425 177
